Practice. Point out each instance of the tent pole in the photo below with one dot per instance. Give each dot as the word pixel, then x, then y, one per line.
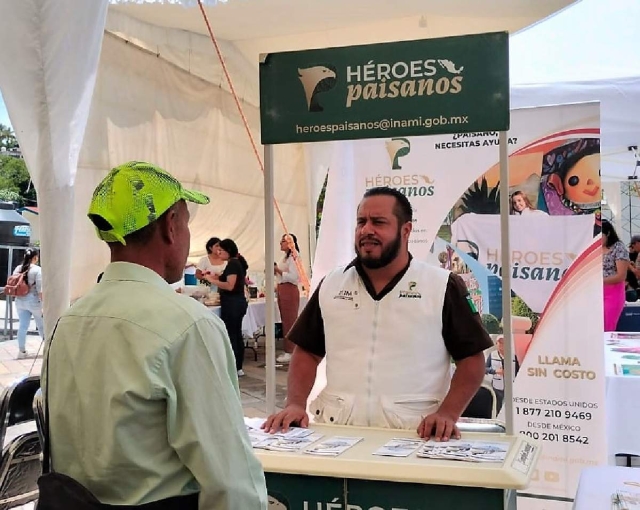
pixel 505 252
pixel 269 260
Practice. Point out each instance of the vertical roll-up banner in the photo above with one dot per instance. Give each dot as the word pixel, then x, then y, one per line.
pixel 453 184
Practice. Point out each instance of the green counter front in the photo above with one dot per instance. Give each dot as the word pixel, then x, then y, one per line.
pixel 359 480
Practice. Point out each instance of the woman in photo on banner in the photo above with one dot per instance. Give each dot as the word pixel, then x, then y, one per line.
pixel 615 262
pixel 522 206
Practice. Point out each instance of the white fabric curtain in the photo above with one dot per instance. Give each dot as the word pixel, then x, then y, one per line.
pixel 146 108
pixel 192 52
pixel 48 73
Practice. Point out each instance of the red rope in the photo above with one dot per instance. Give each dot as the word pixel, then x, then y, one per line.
pixel 301 271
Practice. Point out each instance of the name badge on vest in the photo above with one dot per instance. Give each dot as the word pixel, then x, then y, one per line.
pixel 349 295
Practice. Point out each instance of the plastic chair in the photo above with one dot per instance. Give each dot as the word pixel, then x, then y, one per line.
pixel 38 413
pixel 20 469
pixel 16 405
pixel 483 405
pixel 20 466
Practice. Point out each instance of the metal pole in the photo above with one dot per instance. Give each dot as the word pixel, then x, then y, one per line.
pixel 505 250
pixel 269 260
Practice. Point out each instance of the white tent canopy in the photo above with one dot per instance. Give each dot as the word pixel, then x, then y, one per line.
pixel 586 52
pixel 160 96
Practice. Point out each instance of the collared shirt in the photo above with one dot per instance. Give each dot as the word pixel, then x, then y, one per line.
pixel 143 398
pixel 462 329
pixel 289 271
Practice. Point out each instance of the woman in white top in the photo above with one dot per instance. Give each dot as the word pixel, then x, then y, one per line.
pixel 31 304
pixel 212 262
pixel 287 278
pixel 521 205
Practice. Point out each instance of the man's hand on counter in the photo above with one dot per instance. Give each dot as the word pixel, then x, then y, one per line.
pixel 292 415
pixel 439 425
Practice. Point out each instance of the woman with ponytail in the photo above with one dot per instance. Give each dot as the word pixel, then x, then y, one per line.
pixel 288 279
pixel 233 303
pixel 31 304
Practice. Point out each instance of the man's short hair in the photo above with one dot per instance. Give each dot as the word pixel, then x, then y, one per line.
pixel 402 210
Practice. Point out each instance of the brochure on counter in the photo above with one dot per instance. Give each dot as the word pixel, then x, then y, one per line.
pixel 625 500
pixel 467 451
pixel 298 439
pixel 333 446
pixel 400 447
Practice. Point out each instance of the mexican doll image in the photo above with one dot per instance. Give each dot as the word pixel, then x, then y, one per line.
pixel 570 181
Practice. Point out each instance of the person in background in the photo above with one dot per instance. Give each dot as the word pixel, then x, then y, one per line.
pixel 233 302
pixel 495 367
pixel 521 205
pixel 633 272
pixel 389 326
pixel 211 263
pixel 615 262
pixel 31 304
pixel 287 278
pixel 143 399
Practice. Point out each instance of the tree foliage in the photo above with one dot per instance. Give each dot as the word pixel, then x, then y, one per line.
pixel 7 137
pixel 491 324
pixel 480 199
pixel 14 177
pixel 520 309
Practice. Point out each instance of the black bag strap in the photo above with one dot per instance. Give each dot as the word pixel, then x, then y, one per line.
pixel 46 448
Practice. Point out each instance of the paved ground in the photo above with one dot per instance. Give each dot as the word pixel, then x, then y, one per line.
pixel 252 385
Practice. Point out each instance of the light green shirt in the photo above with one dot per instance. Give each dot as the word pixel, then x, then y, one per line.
pixel 144 401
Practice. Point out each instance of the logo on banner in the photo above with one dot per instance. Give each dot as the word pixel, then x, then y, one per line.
pixel 411 293
pixel 278 502
pixel 316 80
pixel 397 148
pixel 450 66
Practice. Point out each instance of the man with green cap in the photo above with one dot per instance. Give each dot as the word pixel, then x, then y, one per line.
pixel 140 381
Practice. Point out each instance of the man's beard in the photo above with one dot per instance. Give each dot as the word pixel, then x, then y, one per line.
pixel 388 255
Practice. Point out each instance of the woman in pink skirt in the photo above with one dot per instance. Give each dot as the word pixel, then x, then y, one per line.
pixel 615 262
pixel 288 294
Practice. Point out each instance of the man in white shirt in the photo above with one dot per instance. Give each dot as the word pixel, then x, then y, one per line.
pixel 141 384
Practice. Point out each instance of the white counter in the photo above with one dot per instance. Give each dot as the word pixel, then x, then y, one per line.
pixel 359 463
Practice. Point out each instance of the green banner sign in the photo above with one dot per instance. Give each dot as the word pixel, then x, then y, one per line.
pixel 411 88
pixel 299 492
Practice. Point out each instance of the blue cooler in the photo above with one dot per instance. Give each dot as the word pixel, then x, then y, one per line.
pixel 190 276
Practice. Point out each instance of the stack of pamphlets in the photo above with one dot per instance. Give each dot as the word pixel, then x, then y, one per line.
pixel 294 439
pixel 333 446
pixel 400 447
pixel 464 450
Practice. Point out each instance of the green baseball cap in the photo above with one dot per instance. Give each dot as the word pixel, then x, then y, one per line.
pixel 134 195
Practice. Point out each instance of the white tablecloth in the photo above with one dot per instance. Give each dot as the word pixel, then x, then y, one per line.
pixel 256 316
pixel 622 355
pixel 598 484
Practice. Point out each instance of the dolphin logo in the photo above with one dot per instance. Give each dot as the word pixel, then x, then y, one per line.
pixel 397 148
pixel 450 66
pixel 315 80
